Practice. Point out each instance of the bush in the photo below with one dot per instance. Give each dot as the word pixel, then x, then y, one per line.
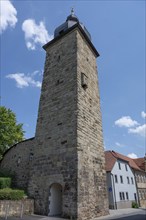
pixel 5 182
pixel 134 205
pixel 11 194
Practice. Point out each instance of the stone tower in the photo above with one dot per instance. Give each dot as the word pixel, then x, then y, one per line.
pixel 68 176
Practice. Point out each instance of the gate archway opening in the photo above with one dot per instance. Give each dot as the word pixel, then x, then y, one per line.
pixel 55 200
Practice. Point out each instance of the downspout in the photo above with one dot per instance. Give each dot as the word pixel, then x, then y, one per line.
pixel 114 193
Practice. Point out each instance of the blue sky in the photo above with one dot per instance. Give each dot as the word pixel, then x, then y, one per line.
pixel 118 33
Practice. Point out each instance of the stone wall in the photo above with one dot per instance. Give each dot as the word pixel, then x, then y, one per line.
pixel 16 208
pixel 17 160
pixel 92 190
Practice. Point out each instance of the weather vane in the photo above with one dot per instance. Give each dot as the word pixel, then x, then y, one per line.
pixel 72 11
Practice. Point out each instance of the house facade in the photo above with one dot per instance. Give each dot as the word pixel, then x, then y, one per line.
pixel 120 182
pixel 140 176
pixel 126 180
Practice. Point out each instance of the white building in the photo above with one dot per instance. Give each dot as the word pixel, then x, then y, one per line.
pixel 120 181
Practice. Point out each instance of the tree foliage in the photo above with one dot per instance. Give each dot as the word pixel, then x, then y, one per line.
pixel 10 132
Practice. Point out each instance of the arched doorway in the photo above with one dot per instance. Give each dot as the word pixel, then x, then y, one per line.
pixel 55 200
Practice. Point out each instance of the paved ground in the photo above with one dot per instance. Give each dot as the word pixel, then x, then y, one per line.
pixel 125 214
pixel 120 214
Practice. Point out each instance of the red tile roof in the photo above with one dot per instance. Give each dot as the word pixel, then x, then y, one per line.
pixel 112 156
pixel 109 160
pixel 141 163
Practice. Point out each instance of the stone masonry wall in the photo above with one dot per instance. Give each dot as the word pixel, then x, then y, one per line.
pixel 92 194
pixel 55 158
pixel 16 208
pixel 18 161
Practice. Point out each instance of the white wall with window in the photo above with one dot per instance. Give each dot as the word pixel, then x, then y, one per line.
pixel 123 186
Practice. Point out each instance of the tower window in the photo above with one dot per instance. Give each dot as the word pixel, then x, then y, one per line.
pixel 61 32
pixel 84 81
pixel 58 58
pixel 59 81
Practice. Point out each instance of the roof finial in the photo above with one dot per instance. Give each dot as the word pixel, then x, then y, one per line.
pixel 72 11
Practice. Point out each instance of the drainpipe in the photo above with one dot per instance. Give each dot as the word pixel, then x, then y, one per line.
pixel 114 193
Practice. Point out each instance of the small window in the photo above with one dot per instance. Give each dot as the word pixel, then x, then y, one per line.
pixel 119 166
pixel 121 179
pixel 84 81
pixel 61 32
pixel 123 195
pixel 127 196
pixel 120 195
pixel 31 156
pixel 132 180
pixel 116 179
pixel 128 181
pixel 126 167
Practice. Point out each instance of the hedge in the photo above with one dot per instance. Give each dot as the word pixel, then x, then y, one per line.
pixel 11 194
pixel 134 205
pixel 5 182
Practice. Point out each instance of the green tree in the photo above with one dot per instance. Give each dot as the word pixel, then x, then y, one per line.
pixel 10 132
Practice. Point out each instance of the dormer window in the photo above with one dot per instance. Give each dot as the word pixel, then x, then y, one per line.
pixel 61 32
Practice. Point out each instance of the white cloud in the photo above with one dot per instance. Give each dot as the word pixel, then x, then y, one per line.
pixel 132 155
pixel 118 144
pixel 140 130
pixel 23 80
pixel 143 114
pixel 126 121
pixel 8 15
pixel 35 34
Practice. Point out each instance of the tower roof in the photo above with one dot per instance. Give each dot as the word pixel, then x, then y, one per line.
pixel 71 20
pixel 72 16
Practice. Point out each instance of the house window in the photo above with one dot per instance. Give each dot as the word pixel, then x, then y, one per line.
pixel 128 181
pixel 132 180
pixel 116 179
pixel 121 179
pixel 126 167
pixel 127 196
pixel 119 166
pixel 122 195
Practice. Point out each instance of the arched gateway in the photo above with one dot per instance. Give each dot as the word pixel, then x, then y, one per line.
pixel 55 200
